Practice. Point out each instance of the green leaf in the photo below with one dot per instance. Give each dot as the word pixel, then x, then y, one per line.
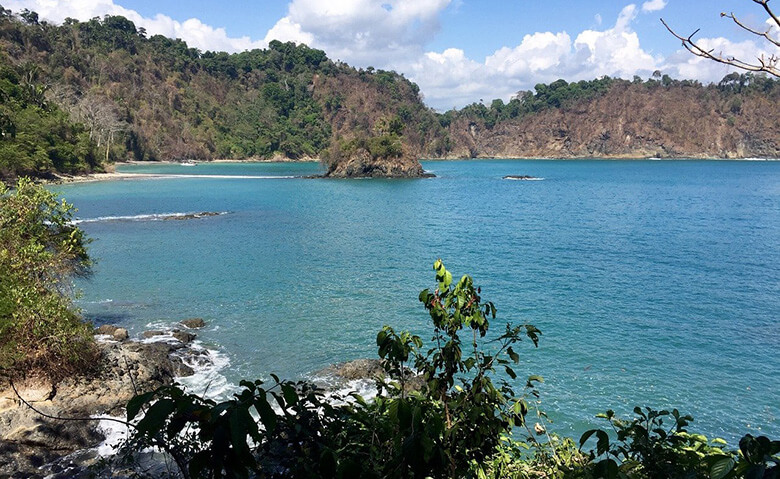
pixel 266 412
pixel 722 468
pixel 290 396
pixel 154 419
pixel 136 403
pixel 510 372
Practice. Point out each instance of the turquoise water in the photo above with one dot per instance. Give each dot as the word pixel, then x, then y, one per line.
pixel 654 282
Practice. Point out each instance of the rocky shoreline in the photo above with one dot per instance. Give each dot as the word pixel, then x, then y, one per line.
pixel 60 437
pixel 62 443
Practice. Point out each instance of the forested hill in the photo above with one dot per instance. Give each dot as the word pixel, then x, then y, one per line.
pixel 76 95
pixel 154 98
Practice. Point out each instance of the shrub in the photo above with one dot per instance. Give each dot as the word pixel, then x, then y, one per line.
pixel 40 250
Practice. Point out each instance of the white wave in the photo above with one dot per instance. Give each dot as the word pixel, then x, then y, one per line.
pixel 366 388
pixel 115 433
pixel 146 217
pixel 99 301
pixel 524 179
pixel 207 381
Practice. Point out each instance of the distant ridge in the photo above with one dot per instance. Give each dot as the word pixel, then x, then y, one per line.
pixel 123 96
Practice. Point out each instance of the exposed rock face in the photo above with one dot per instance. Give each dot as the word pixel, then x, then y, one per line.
pixel 631 121
pixel 29 440
pixel 360 164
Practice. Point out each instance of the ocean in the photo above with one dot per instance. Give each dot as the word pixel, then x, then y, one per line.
pixel 654 282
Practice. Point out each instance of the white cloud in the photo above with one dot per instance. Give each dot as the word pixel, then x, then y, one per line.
pixel 196 33
pixel 653 5
pixel 362 32
pixel 450 79
pixel 682 64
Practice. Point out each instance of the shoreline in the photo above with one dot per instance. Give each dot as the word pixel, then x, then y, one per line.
pixel 124 176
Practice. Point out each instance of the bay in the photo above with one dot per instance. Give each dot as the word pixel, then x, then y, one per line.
pixel 654 282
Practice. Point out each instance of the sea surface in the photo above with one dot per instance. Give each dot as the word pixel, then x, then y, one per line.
pixel 654 282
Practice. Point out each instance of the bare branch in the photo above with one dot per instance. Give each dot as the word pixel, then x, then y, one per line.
pixel 762 64
pixel 765 34
pixel 765 4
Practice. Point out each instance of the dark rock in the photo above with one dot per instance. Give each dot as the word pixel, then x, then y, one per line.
pixel 369 369
pixel 359 369
pixel 520 177
pixel 184 336
pixel 151 334
pixel 191 216
pixel 193 323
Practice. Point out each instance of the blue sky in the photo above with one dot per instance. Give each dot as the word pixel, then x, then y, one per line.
pixel 458 51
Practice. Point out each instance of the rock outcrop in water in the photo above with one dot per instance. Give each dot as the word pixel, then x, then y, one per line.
pixel 361 164
pixel 29 441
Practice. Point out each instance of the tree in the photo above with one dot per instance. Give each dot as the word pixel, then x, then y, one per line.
pixel 769 65
pixel 40 250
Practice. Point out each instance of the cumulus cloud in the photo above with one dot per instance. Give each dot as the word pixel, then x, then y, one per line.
pixel 196 33
pixel 450 79
pixel 653 5
pixel 362 32
pixel 684 65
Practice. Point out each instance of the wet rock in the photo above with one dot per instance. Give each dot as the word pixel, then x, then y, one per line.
pixel 151 334
pixel 193 323
pixel 359 369
pixel 184 336
pixel 367 369
pixel 519 177
pixel 191 216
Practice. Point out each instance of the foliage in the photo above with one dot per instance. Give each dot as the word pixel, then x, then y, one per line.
pixel 176 102
pixel 438 414
pixel 40 249
pixel 36 137
pixel 645 448
pixel 452 421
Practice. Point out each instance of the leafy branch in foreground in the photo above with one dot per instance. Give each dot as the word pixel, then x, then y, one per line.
pixel 646 448
pixel 446 426
pixel 441 412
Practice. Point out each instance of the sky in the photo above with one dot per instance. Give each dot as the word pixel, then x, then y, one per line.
pixel 458 51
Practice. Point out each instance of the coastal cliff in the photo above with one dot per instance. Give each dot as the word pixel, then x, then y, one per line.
pixel 631 120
